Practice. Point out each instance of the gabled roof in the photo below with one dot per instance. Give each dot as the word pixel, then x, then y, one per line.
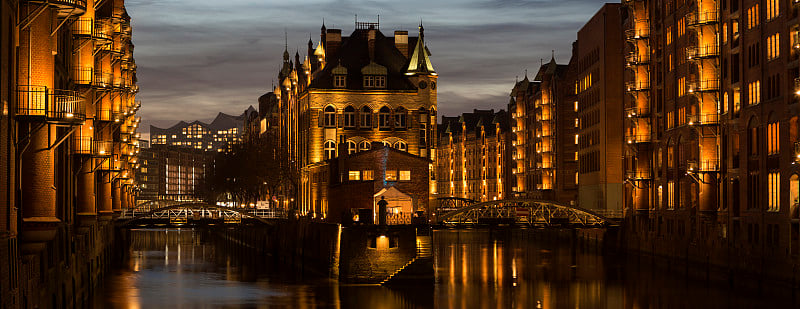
pixel 420 62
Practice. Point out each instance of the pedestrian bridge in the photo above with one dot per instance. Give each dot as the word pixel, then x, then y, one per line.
pixel 178 213
pixel 531 212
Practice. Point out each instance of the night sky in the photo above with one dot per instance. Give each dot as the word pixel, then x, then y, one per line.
pixel 199 57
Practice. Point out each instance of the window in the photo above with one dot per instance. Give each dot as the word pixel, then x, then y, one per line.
pixel 405 175
pixel 773 9
pixel 364 146
pixel 671 195
pixel 351 147
pixel 340 81
pixel 401 146
pixel 752 17
pixel 391 175
pixel 383 118
pixel 366 117
pixel 330 150
pixel 773 46
pixel 681 86
pixel 773 138
pixel 354 175
pixel 754 92
pixel 330 116
pixel 349 117
pixel 400 118
pixel 669 35
pixel 374 81
pixel 368 175
pixel 774 185
pixel 681 27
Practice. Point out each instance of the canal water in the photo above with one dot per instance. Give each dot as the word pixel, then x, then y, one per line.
pixel 185 268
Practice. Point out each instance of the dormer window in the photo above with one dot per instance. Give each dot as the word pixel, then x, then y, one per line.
pixel 339 81
pixel 374 81
pixel 374 75
pixel 339 76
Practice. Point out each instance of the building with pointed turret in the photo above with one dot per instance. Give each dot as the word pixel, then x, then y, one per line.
pixel 348 93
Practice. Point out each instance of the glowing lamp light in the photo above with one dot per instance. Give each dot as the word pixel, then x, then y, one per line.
pixel 69 115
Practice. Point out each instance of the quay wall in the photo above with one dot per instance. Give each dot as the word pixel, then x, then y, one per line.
pixel 355 254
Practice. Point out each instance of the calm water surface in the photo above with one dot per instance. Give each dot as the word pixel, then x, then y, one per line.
pixel 184 268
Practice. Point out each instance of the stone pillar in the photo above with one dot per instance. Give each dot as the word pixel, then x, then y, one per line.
pixel 104 195
pixel 116 195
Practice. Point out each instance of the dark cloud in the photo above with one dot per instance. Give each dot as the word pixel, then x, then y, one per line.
pixel 200 57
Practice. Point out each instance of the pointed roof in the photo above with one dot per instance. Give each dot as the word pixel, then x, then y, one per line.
pixel 420 60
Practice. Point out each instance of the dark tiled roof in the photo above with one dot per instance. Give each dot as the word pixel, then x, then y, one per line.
pixel 353 54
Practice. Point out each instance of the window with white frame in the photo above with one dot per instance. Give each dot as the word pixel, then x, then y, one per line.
pixel 366 117
pixel 340 81
pixel 349 117
pixel 330 149
pixel 384 120
pixel 330 117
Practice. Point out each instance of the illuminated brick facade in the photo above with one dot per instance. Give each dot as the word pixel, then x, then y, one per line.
pixel 472 161
pixel 360 89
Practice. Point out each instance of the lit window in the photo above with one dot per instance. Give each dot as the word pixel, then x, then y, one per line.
pixel 405 175
pixel 364 146
pixel 773 46
pixel 391 175
pixel 368 175
pixel 681 86
pixel 752 17
pixel 754 92
pixel 402 146
pixel 351 147
pixel 354 175
pixel 774 185
pixel 773 9
pixel 330 150
pixel 773 138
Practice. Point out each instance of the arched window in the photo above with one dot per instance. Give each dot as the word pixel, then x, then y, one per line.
pixel 364 146
pixel 366 117
pixel 387 144
pixel 351 147
pixel 349 117
pixel 401 146
pixel 330 116
pixel 400 118
pixel 384 122
pixel 330 149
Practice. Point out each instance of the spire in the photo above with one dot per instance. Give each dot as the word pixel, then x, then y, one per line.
pixel 285 46
pixel 420 60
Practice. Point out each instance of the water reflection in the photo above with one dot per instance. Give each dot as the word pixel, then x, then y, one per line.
pixel 171 268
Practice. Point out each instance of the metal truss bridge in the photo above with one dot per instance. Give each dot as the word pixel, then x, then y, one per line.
pixel 531 212
pixel 179 213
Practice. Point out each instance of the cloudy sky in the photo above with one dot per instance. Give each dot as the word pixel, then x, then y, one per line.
pixel 199 57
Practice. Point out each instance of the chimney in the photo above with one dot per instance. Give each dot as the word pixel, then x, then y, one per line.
pixel 371 43
pixel 401 41
pixel 333 39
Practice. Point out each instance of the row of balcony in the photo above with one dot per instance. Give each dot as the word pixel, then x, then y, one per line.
pixel 637 112
pixel 702 52
pixel 64 7
pixel 637 34
pixel 51 105
pixel 637 138
pixel 635 58
pixel 702 166
pixel 638 175
pixel 696 19
pixel 85 145
pixel 89 77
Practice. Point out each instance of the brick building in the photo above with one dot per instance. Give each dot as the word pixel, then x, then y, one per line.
pixel 472 161
pixel 68 93
pixel 224 131
pixel 544 138
pixel 597 67
pixel 173 173
pixel 366 87
pixel 357 181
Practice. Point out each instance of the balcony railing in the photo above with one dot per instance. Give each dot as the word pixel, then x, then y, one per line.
pixel 637 112
pixel 701 18
pixel 636 58
pixel 102 30
pixel 53 105
pixel 702 166
pixel 83 27
pixel 637 34
pixel 637 174
pixel 82 75
pixel 702 52
pixel 705 85
pixel 544 186
pixel 102 148
pixel 102 79
pixel 65 7
pixel 637 138
pixel 102 114
pixel 82 145
pixel 638 86
pixel 702 119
